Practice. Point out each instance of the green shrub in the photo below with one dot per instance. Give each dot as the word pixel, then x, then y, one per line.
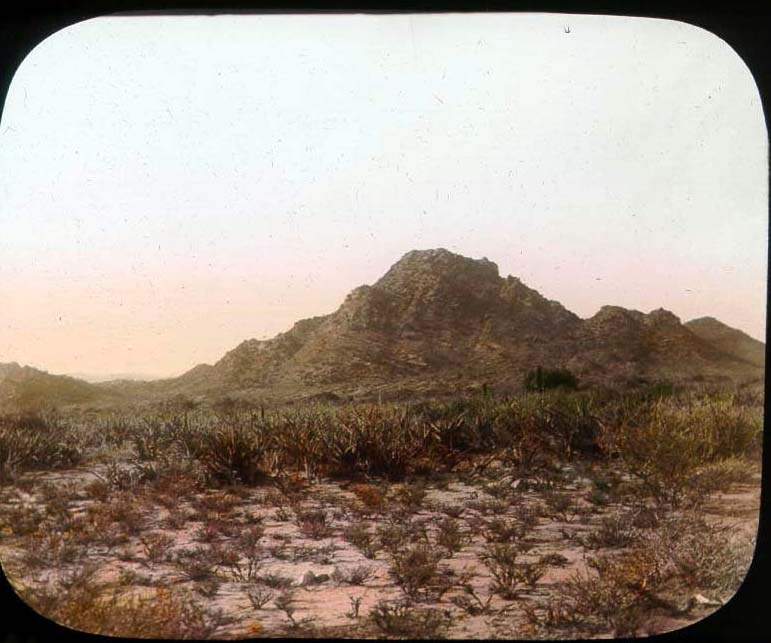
pixel 541 379
pixel 232 454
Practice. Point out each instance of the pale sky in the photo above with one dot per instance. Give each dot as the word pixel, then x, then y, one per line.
pixel 171 186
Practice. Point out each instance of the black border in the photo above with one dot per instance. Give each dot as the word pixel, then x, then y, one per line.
pixel 746 30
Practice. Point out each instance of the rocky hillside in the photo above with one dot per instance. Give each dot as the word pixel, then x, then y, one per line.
pixel 439 323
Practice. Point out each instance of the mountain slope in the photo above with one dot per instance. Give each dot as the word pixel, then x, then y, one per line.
pixel 729 340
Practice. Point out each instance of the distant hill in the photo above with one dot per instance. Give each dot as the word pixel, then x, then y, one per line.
pixel 111 377
pixel 27 388
pixel 440 323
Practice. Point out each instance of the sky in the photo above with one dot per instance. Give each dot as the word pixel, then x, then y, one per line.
pixel 171 186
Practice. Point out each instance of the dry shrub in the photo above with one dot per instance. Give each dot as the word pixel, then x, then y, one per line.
pixel 509 574
pixel 357 575
pixel 450 536
pixel 415 569
pixel 369 495
pixel 359 535
pixel 399 618
pixel 36 442
pixel 156 546
pixel 703 556
pixel 232 454
pixel 613 531
pixel 613 594
pixel 314 523
pixel 162 614
pixel 667 443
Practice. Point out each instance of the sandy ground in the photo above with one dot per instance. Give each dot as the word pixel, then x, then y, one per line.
pixel 324 602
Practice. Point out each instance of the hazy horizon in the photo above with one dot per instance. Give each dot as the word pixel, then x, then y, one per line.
pixel 172 186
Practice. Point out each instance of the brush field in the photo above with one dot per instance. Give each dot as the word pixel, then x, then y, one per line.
pixel 548 515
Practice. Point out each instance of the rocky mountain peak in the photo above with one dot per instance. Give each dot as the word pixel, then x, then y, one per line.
pixel 422 267
pixel 662 317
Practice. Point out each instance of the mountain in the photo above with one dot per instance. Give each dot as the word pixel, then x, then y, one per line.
pixel 24 387
pixel 436 323
pixel 110 377
pixel 729 340
pixel 439 323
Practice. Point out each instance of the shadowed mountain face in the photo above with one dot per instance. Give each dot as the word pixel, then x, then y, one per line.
pixel 439 323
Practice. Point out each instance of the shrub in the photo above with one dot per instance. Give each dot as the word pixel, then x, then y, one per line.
pixel 314 524
pixel 259 598
pixel 541 379
pixel 156 546
pixel 357 575
pixel 164 614
pixel 415 569
pixel 614 593
pixel 509 575
pixel 35 442
pixel 276 581
pixel 359 535
pixel 613 531
pixel 233 454
pixel 200 563
pixel 370 496
pixel 450 536
pixel 398 618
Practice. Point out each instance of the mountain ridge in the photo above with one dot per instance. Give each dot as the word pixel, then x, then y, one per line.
pixel 439 316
